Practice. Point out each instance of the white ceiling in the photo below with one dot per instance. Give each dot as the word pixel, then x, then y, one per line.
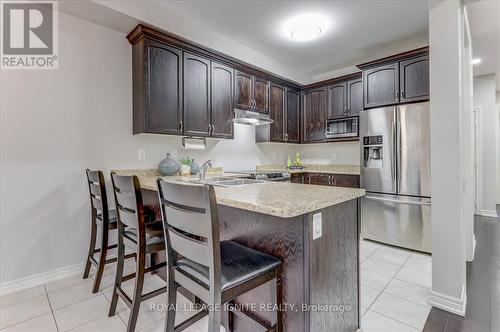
pixel 359 31
pixel 484 20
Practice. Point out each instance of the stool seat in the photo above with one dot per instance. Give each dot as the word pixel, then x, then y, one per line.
pixel 238 264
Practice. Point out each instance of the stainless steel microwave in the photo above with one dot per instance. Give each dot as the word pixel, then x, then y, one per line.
pixel 341 128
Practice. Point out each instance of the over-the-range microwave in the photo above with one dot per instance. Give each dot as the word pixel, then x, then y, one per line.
pixel 341 128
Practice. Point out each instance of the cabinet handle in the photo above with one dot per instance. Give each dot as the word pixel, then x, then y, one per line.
pixel 213 129
pixel 397 94
pixel 180 126
pixel 209 129
pixel 402 93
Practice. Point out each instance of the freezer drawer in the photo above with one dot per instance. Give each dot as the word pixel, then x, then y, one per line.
pixel 397 220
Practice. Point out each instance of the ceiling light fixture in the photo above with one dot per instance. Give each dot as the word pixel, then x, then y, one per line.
pixel 306 32
pixel 305 27
pixel 476 61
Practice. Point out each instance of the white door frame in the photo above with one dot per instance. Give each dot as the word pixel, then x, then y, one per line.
pixel 478 165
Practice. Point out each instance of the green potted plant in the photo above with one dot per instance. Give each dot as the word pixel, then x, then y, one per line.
pixel 185 168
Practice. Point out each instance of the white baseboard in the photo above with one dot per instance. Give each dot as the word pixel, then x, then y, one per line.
pixel 448 303
pixel 40 279
pixel 488 213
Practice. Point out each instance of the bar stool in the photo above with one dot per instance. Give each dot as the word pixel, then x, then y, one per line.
pixel 214 271
pixel 145 238
pixel 103 218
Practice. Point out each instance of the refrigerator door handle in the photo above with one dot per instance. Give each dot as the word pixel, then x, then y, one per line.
pixel 398 156
pixel 393 166
pixel 397 201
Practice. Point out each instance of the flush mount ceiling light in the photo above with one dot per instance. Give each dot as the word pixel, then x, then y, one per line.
pixel 306 32
pixel 476 61
pixel 305 27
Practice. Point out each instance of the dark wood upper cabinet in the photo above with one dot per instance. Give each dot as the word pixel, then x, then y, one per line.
pixel 414 79
pixel 292 129
pixel 381 85
pixel 243 94
pixel 337 104
pixel 157 88
pixel 251 92
pixel 196 96
pixel 222 101
pixel 314 103
pixel 261 95
pixel 400 78
pixel 277 113
pixel 354 96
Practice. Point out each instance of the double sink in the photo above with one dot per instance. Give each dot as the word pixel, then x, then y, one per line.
pixel 225 181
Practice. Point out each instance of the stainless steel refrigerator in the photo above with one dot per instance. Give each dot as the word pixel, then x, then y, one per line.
pixel 395 172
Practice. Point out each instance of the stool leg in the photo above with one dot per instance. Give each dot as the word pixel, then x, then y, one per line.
pixel 279 301
pixel 139 284
pixel 93 233
pixel 119 271
pixel 214 318
pixel 102 258
pixel 171 303
pixel 225 318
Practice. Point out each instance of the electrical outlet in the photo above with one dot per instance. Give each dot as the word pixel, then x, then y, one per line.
pixel 317 226
pixel 141 154
pixel 334 156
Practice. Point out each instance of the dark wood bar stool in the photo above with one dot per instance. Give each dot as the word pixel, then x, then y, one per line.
pixel 215 271
pixel 136 232
pixel 105 220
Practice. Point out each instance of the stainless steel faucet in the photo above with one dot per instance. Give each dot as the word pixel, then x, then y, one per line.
pixel 203 169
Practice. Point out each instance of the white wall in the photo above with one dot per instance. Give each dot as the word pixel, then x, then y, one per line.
pixel 346 153
pixel 498 145
pixel 56 123
pixel 173 21
pixel 448 248
pixel 484 99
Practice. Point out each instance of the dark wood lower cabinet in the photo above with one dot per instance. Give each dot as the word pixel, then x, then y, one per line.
pixel 326 179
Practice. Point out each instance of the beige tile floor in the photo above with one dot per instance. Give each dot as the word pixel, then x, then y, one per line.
pixel 395 286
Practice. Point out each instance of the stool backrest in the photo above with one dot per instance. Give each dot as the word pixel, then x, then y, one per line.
pixel 97 191
pixel 191 225
pixel 129 204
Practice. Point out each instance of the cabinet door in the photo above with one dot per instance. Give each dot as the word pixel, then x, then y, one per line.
pixel 314 115
pixel 337 100
pixel 163 89
pixel 196 95
pixel 277 112
pixel 261 95
pixel 414 79
pixel 319 179
pixel 222 101
pixel 346 180
pixel 243 93
pixel 292 129
pixel 297 177
pixel 381 85
pixel 354 97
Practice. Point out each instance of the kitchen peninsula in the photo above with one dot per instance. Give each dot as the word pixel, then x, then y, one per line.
pixel 314 230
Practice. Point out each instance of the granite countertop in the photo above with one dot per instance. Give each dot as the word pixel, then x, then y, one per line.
pixel 328 169
pixel 280 199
